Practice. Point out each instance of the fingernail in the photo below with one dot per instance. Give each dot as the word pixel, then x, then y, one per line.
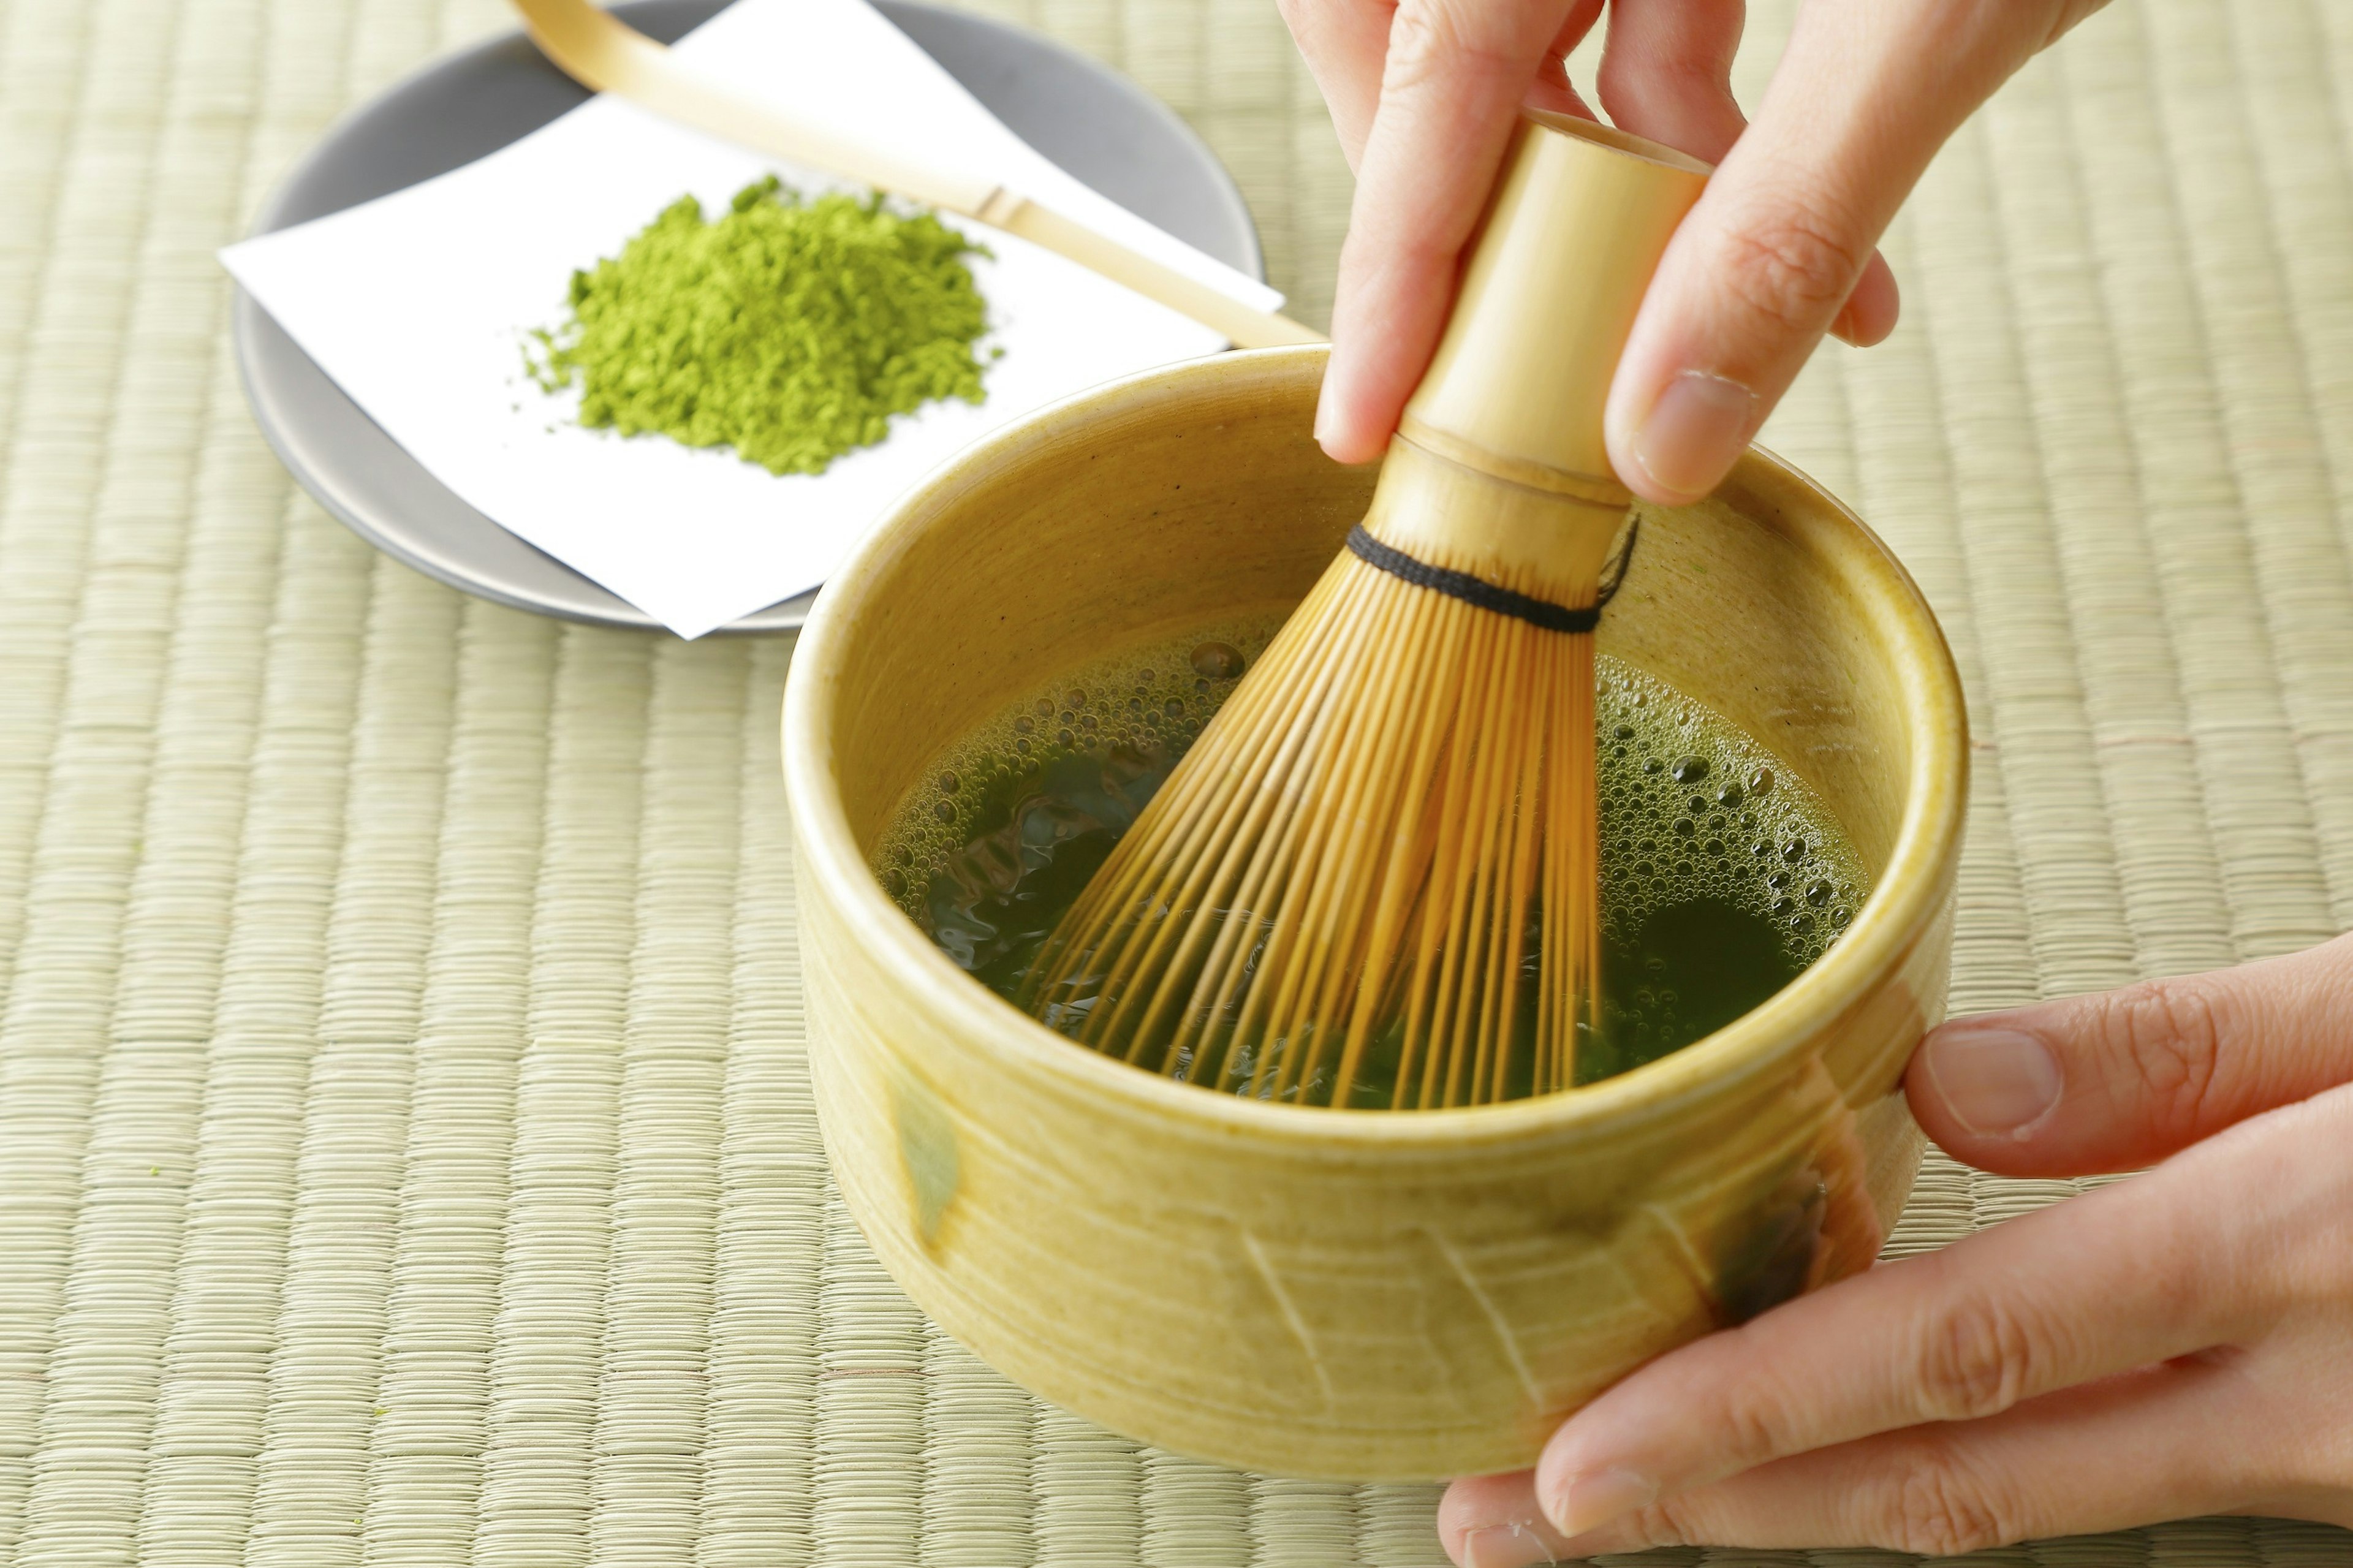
pixel 1694 432
pixel 1513 1545
pixel 1996 1082
pixel 1325 419
pixel 1597 1497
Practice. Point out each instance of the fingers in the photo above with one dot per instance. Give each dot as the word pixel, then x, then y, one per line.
pixel 2004 1388
pixel 1552 89
pixel 1493 1522
pixel 1667 72
pixel 2124 1452
pixel 1780 247
pixel 1343 43
pixel 2116 1081
pixel 1453 79
pixel 2164 1443
pixel 2126 1277
pixel 1667 75
pixel 1346 44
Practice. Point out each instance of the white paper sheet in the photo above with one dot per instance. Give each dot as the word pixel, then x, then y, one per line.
pixel 417 305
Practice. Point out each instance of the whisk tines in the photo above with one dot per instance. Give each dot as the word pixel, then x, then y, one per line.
pixel 1373 882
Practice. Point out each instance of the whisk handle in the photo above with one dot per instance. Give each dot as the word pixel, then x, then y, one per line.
pixel 1571 237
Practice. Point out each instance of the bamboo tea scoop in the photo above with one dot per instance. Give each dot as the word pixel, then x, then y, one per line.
pixel 605 54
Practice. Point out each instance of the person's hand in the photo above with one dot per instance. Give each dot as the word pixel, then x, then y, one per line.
pixel 2178 1343
pixel 1424 93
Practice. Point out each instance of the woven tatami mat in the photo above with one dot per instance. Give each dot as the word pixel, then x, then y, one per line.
pixel 405 1145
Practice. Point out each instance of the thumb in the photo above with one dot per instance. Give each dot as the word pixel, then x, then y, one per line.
pixel 2119 1080
pixel 1865 93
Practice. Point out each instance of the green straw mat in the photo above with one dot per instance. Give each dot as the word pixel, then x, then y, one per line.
pixel 405 1153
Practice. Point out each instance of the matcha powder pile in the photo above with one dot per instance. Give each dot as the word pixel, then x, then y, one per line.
pixel 790 330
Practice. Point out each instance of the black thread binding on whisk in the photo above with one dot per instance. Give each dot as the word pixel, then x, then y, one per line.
pixel 1486 596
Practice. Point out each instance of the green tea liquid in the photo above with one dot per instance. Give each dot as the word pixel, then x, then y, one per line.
pixel 1722 875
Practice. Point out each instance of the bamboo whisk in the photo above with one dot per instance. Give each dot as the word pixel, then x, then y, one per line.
pixel 1374 880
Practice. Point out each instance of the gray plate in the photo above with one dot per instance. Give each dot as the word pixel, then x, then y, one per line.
pixel 1098 125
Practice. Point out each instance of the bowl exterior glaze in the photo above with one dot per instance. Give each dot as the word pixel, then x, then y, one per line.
pixel 1352 1295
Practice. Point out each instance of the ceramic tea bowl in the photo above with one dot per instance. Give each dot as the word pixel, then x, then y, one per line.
pixel 1347 1294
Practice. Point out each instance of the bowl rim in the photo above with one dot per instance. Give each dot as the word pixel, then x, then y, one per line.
pixel 1899 909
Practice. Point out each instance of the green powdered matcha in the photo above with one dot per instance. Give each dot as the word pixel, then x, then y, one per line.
pixel 790 329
